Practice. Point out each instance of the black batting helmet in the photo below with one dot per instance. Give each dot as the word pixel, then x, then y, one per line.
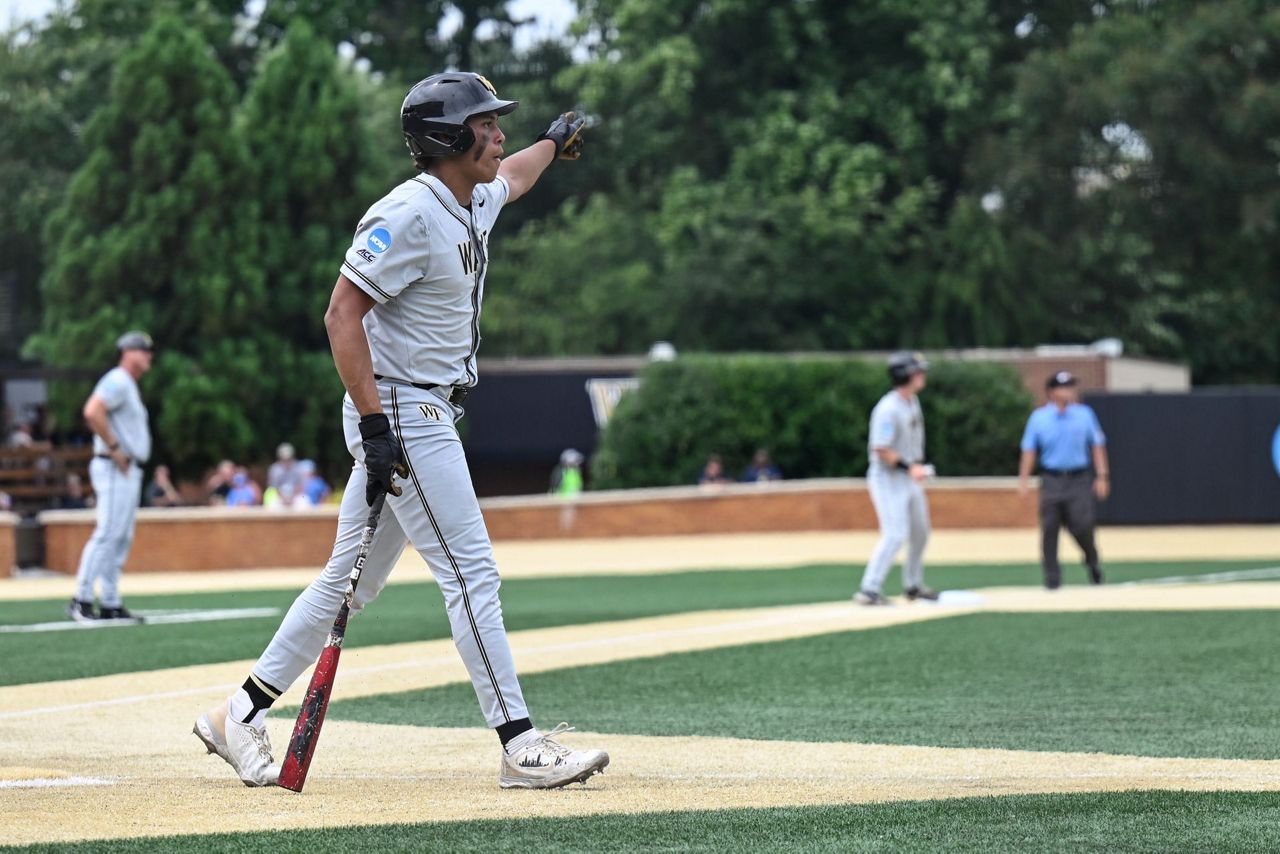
pixel 904 366
pixel 435 112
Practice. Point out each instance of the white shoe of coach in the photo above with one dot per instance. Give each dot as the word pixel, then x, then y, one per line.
pixel 245 747
pixel 545 763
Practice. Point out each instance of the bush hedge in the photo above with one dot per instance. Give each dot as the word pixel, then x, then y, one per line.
pixel 810 412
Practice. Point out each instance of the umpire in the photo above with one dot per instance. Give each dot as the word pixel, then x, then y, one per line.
pixel 1065 436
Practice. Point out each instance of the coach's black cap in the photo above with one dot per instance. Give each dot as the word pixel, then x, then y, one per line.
pixel 1060 379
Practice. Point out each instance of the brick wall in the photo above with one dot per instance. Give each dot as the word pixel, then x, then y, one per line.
pixel 200 538
pixel 239 538
pixel 8 543
pixel 1091 371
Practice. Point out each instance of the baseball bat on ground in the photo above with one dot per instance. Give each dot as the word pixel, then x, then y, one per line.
pixel 306 732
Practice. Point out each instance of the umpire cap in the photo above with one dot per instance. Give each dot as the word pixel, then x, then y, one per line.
pixel 435 112
pixel 134 340
pixel 903 366
pixel 1060 379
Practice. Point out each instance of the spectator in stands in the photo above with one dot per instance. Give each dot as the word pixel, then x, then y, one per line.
pixel 762 469
pixel 73 498
pixel 6 502
pixel 284 479
pixel 314 490
pixel 160 492
pixel 713 472
pixel 566 478
pixel 22 436
pixel 219 483
pixel 245 492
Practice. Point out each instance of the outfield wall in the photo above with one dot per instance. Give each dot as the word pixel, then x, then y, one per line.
pixel 8 543
pixel 249 538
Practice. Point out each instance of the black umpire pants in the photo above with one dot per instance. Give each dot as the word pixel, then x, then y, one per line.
pixel 1067 499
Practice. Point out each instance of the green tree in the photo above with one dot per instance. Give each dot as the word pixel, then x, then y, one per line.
pixel 565 285
pixel 400 38
pixel 54 74
pixel 1142 196
pixel 157 230
pixel 312 170
pixel 799 163
pixel 307 151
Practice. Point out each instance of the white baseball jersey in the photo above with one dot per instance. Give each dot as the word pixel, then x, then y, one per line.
pixel 422 257
pixel 896 424
pixel 126 413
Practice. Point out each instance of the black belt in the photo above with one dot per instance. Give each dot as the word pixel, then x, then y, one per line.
pixel 132 461
pixel 457 393
pixel 1065 472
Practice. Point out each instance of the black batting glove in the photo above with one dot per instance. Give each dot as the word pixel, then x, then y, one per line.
pixel 566 133
pixel 383 457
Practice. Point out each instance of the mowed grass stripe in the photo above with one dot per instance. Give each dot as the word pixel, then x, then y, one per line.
pixel 1121 821
pixel 1191 684
pixel 415 611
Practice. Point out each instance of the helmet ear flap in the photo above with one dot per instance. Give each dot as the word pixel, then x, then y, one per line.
pixel 427 138
pixel 465 139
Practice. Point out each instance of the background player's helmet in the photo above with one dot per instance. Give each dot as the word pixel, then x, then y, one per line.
pixel 904 366
pixel 435 112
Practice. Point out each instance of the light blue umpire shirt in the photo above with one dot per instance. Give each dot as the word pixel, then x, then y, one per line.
pixel 1063 438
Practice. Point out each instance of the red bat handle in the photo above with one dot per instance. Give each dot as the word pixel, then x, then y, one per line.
pixel 306 732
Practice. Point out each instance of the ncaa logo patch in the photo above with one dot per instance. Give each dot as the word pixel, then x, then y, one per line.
pixel 380 240
pixel 1275 449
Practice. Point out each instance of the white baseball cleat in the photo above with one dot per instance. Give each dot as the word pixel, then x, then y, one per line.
pixel 245 748
pixel 545 763
pixel 871 597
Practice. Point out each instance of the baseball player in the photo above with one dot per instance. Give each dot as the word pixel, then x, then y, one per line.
pixel 897 468
pixel 403 324
pixel 121 444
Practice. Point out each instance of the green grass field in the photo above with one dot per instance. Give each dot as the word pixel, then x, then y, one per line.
pixel 1124 821
pixel 414 611
pixel 1155 684
pixel 1192 684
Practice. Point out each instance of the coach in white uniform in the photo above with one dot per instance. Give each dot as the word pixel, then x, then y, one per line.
pixel 897 468
pixel 121 445
pixel 404 326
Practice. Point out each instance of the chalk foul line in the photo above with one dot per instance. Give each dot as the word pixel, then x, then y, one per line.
pixel 147 618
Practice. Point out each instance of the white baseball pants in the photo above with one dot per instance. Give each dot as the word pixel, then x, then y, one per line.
pixel 903 512
pixel 117 494
pixel 437 512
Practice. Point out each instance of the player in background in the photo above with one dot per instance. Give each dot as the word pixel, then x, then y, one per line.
pixel 403 324
pixel 897 468
pixel 121 444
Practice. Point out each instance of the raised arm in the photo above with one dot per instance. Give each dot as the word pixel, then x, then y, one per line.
pixel 523 169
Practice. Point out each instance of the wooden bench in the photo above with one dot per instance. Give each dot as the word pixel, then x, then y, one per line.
pixel 36 477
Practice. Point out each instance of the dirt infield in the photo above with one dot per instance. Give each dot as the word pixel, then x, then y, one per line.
pixel 646 555
pixel 411 774
pixel 113 756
